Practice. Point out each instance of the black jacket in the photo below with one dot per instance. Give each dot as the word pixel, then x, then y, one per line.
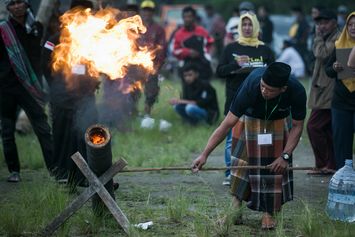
pixel 205 96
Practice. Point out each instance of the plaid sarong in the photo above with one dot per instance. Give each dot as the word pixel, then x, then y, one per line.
pixel 20 62
pixel 262 190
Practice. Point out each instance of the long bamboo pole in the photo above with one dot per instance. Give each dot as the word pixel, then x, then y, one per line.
pixel 208 168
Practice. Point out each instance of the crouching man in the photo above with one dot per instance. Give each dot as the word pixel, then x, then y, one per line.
pixel 262 136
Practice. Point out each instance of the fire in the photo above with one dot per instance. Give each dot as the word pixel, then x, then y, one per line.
pixel 97 139
pixel 97 43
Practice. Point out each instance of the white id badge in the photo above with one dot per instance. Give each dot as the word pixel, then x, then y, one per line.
pixel 79 69
pixel 265 139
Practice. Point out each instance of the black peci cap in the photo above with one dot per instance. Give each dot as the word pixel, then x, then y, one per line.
pixel 277 74
pixel 326 14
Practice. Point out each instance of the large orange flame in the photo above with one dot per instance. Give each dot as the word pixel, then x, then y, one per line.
pixel 100 44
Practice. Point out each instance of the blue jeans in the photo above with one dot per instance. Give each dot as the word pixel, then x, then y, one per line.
pixel 191 113
pixel 343 125
pixel 227 152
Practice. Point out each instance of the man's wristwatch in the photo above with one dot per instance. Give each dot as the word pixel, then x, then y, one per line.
pixel 285 156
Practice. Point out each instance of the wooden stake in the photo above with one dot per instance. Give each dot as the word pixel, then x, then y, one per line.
pixel 96 186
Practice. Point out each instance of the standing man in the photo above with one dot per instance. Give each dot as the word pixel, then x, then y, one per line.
pixel 192 43
pixel 19 83
pixel 73 109
pixel 154 38
pixel 319 126
pixel 259 113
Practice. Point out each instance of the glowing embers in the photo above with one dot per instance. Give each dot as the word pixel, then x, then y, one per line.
pixel 97 138
pixel 97 135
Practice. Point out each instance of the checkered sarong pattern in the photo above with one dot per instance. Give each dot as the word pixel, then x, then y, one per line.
pixel 263 190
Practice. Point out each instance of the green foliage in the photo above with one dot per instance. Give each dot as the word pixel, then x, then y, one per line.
pixel 177 208
pixel 315 223
pixel 31 207
pixel 182 208
pixel 149 148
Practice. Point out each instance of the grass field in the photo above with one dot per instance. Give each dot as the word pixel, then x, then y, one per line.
pixel 179 204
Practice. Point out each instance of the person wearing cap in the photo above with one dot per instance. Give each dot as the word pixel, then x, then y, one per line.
pixel 153 38
pixel 319 125
pixel 245 7
pixel 20 84
pixel 259 116
pixel 343 101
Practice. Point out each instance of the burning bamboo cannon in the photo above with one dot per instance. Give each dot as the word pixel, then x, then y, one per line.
pixel 99 156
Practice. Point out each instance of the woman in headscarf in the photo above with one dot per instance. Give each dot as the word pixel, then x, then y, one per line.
pixel 343 103
pixel 237 61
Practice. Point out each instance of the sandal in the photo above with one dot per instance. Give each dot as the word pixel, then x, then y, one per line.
pixel 267 222
pixel 321 172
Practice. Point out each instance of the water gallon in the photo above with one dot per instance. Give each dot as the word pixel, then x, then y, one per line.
pixel 341 197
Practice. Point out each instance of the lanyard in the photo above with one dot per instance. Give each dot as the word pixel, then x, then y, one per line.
pixel 272 111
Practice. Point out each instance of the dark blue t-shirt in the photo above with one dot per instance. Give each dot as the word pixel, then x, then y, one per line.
pixel 249 101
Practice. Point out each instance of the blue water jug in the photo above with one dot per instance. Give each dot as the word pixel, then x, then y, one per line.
pixel 341 198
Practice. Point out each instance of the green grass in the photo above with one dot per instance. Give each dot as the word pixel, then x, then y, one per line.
pixel 181 209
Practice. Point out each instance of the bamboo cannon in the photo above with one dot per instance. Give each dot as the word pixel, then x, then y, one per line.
pixel 99 156
pixel 208 168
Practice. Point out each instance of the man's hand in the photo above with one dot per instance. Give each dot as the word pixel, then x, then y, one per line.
pixel 337 66
pixel 319 31
pixel 174 101
pixel 198 163
pixel 242 60
pixel 279 166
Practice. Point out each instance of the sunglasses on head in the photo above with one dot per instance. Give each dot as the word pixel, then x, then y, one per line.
pixel 250 12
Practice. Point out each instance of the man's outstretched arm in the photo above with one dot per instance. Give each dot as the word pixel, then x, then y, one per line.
pixel 215 139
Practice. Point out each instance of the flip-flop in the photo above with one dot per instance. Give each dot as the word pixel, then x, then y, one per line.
pixel 329 171
pixel 321 172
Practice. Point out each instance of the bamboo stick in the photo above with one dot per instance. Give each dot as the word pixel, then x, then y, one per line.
pixel 208 168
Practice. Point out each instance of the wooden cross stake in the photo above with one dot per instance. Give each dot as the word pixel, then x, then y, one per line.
pixel 96 186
